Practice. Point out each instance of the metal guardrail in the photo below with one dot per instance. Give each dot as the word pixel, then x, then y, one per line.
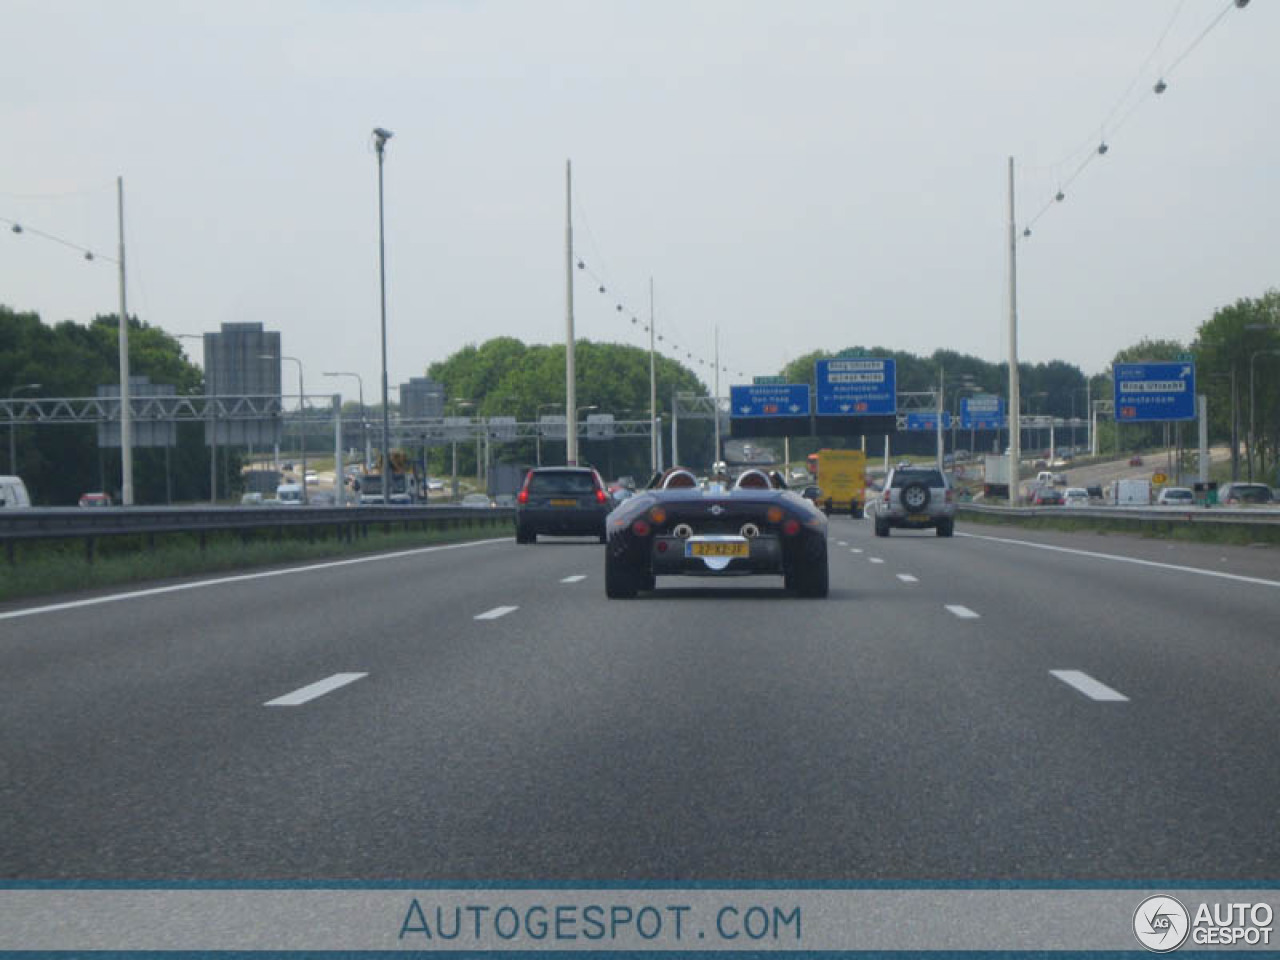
pixel 1262 516
pixel 347 523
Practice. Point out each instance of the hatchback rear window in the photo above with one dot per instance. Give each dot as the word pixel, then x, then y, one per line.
pixel 931 478
pixel 1254 493
pixel 562 483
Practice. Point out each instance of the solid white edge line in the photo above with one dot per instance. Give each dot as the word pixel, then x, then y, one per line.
pixel 240 578
pixel 1134 560
pixel 495 613
pixel 964 613
pixel 1091 688
pixel 313 690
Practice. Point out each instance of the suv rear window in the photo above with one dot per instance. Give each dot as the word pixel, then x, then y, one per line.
pixel 930 478
pixel 562 482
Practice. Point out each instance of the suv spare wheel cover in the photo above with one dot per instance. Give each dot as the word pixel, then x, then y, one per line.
pixel 916 496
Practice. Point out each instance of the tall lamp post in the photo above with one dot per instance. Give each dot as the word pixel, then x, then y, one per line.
pixel 380 138
pixel 574 426
pixel 537 416
pixel 13 427
pixel 1252 436
pixel 211 374
pixel 364 426
pixel 457 404
pixel 302 414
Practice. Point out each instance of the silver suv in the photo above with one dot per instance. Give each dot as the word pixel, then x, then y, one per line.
pixel 915 497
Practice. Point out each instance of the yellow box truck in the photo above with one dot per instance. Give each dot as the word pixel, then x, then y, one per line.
pixel 842 480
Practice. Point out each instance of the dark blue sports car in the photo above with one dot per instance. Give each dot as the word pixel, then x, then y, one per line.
pixel 754 526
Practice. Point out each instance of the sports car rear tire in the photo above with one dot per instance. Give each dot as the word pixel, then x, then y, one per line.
pixel 620 581
pixel 813 579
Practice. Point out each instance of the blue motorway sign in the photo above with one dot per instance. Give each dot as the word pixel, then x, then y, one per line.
pixel 927 421
pixel 984 411
pixel 769 400
pixel 856 387
pixel 1155 392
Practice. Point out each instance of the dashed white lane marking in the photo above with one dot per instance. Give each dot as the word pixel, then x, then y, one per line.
pixel 874 560
pixel 1090 687
pixel 1142 563
pixel 317 689
pixel 241 578
pixel 576 578
pixel 964 613
pixel 855 549
pixel 842 543
pixel 907 578
pixel 495 613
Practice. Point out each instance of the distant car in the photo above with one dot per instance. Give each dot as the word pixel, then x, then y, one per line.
pixel 251 500
pixel 504 500
pixel 435 483
pixel 811 493
pixel 562 501
pixel 678 527
pixel 1176 497
pixel 13 493
pixel 1095 492
pixel 95 500
pixel 1135 461
pixel 1075 497
pixel 621 493
pixel 476 501
pixel 915 498
pixel 1046 497
pixel 1244 494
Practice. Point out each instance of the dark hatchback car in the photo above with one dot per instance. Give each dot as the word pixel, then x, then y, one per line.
pixel 562 501
pixel 1047 497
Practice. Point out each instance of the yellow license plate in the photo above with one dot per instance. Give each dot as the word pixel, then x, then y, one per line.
pixel 719 548
pixel 564 503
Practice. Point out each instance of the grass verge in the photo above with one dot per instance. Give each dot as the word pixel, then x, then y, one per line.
pixel 1236 534
pixel 50 567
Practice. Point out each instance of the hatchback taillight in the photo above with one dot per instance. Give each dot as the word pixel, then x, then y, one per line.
pixel 522 496
pixel 600 496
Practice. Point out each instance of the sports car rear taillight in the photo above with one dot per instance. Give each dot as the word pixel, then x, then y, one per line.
pixel 641 527
pixel 791 526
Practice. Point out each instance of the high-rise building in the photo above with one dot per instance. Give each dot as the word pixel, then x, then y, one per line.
pixel 421 399
pixel 235 368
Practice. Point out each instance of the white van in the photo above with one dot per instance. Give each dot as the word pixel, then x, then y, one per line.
pixel 13 493
pixel 289 494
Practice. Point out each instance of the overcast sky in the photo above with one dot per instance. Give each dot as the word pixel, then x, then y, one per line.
pixel 806 175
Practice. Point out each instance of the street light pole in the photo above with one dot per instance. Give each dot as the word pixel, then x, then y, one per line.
pixel 13 426
pixel 364 426
pixel 538 428
pixel 381 137
pixel 211 412
pixel 1253 356
pixel 302 414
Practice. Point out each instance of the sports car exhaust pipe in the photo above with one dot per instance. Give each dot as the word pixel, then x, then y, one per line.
pixel 683 531
pixel 750 530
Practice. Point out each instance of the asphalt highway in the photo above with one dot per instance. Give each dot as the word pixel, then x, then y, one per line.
pixel 1000 705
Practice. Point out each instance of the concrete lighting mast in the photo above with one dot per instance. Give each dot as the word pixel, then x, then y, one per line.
pixel 380 138
pixel 570 382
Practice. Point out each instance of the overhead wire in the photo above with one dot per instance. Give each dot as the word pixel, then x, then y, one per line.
pixel 1107 127
pixel 621 305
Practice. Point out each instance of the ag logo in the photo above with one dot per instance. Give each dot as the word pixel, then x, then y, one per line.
pixel 1161 924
